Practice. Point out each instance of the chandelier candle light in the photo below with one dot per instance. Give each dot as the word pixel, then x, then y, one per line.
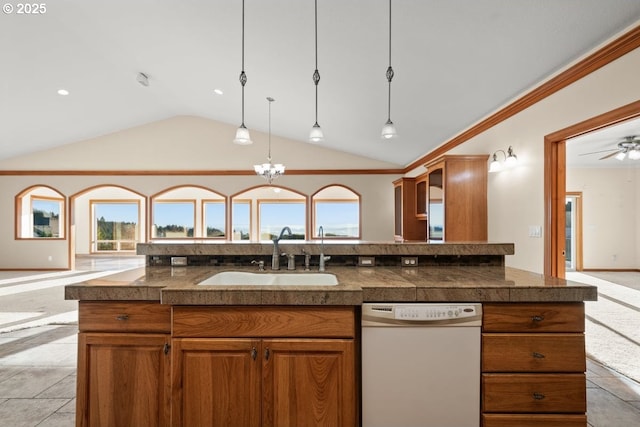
pixel 269 171
pixel 316 134
pixel 242 133
pixel 389 129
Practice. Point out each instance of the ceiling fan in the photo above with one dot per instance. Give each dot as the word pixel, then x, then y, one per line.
pixel 629 146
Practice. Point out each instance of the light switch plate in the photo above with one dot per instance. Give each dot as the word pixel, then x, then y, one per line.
pixel 535 231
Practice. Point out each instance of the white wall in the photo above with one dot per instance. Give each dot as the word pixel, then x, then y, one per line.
pixel 516 197
pixel 610 216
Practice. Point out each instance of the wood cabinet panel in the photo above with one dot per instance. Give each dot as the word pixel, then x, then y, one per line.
pixel 264 321
pixel 121 316
pixel 533 352
pixel 309 383
pixel 123 380
pixel 523 393
pixel 533 317
pixel 216 382
pixel 533 420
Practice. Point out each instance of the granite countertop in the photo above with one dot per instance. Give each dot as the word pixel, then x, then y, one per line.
pixel 178 286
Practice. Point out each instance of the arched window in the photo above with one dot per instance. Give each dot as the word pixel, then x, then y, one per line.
pixel 188 212
pixel 337 209
pixel 274 208
pixel 40 213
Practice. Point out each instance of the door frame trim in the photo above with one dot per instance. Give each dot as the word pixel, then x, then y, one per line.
pixel 555 181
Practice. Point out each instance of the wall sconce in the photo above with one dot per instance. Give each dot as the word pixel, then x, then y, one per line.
pixel 510 160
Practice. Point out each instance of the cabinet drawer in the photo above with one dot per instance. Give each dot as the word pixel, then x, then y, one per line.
pixel 258 322
pixel 522 393
pixel 533 420
pixel 123 317
pixel 533 317
pixel 533 353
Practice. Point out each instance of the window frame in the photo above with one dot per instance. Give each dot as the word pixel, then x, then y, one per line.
pixel 20 216
pixel 315 226
pixel 248 202
pixel 302 201
pixel 172 201
pixel 203 215
pixel 93 237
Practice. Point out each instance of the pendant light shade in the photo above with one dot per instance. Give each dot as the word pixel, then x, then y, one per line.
pixel 242 133
pixel 316 134
pixel 389 130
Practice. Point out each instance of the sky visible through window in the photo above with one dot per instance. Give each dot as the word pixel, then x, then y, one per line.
pixel 339 218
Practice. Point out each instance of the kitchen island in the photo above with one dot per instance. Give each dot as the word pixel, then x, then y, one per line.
pixel 265 355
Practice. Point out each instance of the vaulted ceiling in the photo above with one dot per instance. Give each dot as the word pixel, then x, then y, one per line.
pixel 455 62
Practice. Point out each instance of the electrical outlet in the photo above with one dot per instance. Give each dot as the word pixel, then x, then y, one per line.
pixel 178 260
pixel 366 261
pixel 409 261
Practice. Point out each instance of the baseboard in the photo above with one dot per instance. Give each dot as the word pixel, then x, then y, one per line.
pixel 613 270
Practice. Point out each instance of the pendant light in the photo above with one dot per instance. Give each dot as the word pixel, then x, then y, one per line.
pixel 389 129
pixel 269 171
pixel 316 134
pixel 242 133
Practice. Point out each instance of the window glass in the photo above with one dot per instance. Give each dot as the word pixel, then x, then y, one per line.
pixel 241 220
pixel 214 219
pixel 115 226
pixel 274 215
pixel 338 218
pixel 337 209
pixel 173 219
pixel 45 214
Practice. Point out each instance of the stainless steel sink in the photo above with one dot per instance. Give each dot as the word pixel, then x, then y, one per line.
pixel 238 278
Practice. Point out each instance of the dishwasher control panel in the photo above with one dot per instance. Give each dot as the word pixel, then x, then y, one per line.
pixel 434 312
pixel 421 314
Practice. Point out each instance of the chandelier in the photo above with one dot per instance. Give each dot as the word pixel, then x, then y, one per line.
pixel 269 171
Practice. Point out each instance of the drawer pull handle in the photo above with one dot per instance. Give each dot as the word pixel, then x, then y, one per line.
pixel 537 318
pixel 538 396
pixel 538 355
pixel 122 317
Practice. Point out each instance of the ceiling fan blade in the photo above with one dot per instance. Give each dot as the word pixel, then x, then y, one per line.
pixel 597 152
pixel 609 155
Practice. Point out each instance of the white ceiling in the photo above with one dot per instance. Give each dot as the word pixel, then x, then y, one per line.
pixel 455 62
pixel 588 150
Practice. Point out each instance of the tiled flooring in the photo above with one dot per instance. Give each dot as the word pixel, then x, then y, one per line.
pixel 38 374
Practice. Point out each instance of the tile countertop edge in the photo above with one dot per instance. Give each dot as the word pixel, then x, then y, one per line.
pixel 383 285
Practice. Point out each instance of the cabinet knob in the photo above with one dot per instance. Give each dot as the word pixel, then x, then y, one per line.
pixel 538 355
pixel 122 317
pixel 538 396
pixel 254 353
pixel 267 353
pixel 537 318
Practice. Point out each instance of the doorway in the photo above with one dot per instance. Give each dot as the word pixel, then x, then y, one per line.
pixel 555 192
pixel 573 231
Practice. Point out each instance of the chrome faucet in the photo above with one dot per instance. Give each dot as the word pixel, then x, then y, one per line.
pixel 275 257
pixel 323 258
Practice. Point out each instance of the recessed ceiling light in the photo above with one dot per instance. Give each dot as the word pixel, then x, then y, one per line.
pixel 218 91
pixel 63 92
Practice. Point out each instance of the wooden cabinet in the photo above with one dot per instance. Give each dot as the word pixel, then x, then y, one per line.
pixel 264 366
pixel 123 364
pixel 533 365
pixel 457 198
pixel 407 225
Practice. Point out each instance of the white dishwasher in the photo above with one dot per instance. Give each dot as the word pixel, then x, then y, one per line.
pixel 421 365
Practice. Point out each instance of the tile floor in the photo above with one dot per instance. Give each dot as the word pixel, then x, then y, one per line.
pixel 38 374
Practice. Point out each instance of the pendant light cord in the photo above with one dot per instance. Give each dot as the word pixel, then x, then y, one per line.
pixel 316 74
pixel 390 69
pixel 270 101
pixel 243 76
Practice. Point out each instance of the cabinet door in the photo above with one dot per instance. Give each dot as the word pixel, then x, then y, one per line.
pixel 216 382
pixel 308 382
pixel 123 380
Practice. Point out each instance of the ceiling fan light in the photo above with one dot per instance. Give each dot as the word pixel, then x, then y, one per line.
pixel 634 154
pixel 242 136
pixel 389 130
pixel 621 155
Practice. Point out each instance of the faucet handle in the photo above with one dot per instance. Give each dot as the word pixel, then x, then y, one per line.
pixel 260 264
